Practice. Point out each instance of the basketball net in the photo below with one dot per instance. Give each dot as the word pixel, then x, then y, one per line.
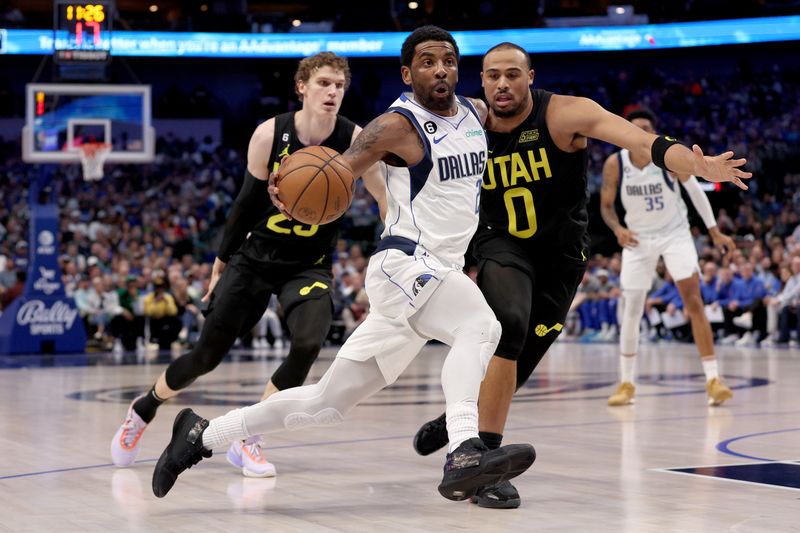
pixel 93 155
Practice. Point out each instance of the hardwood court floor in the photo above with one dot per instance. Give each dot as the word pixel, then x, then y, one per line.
pixel 598 468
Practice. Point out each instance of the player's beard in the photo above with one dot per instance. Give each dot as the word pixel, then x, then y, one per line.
pixel 428 98
pixel 512 111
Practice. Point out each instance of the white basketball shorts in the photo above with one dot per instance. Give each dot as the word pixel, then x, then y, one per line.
pixel 398 285
pixel 639 263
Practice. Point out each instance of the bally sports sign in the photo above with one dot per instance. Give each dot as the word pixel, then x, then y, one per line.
pixel 43 319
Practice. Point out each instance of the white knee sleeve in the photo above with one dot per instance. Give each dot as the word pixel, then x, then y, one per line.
pixel 489 346
pixel 345 384
pixel 326 417
pixel 632 309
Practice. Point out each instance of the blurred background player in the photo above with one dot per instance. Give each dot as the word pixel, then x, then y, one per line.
pixel 531 244
pixel 263 253
pixel 656 225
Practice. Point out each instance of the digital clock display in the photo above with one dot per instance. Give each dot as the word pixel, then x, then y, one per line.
pixel 82 30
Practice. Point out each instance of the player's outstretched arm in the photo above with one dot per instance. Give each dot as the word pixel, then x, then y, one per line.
pixel 587 118
pixel 719 168
pixel 391 134
pixel 608 195
pixel 374 180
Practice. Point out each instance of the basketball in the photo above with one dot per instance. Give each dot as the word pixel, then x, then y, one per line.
pixel 315 185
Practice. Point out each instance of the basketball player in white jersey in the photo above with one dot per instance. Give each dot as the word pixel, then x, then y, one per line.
pixel 656 225
pixel 435 148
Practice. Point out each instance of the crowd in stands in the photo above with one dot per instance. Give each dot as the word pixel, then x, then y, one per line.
pixel 751 296
pixel 136 247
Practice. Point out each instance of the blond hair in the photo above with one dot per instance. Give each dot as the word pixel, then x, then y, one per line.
pixel 309 65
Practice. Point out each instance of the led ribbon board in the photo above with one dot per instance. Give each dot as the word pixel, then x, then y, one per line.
pixel 257 45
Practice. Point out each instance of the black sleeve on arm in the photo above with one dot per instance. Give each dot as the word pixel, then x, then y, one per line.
pixel 244 214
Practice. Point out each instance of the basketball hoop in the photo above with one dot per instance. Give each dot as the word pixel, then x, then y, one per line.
pixel 93 155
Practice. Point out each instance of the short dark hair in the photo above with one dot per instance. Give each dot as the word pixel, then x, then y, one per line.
pixel 505 45
pixel 421 35
pixel 642 113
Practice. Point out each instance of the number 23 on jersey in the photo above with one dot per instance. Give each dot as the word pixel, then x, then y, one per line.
pixel 301 230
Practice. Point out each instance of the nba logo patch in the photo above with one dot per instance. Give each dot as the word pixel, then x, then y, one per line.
pixel 420 282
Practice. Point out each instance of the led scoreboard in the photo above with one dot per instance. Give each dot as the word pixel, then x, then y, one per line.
pixel 82 31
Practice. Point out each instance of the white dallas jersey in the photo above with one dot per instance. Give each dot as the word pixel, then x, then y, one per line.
pixel 435 202
pixel 651 198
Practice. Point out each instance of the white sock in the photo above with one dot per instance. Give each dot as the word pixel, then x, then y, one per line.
pixel 462 422
pixel 225 429
pixel 710 368
pixel 627 366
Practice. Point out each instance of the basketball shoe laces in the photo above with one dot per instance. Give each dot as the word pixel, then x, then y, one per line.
pixel 133 430
pixel 253 449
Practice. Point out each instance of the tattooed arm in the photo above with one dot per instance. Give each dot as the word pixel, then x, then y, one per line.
pixel 391 134
pixel 390 137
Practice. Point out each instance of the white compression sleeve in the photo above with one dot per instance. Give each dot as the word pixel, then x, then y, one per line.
pixel 345 384
pixel 700 201
pixel 457 314
pixel 633 308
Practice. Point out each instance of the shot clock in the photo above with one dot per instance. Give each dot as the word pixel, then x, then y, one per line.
pixel 82 31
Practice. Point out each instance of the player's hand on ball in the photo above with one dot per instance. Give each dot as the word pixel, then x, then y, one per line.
pixel 720 168
pixel 626 238
pixel 274 178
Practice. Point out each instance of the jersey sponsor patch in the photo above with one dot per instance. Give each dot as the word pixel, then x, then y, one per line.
pixel 528 136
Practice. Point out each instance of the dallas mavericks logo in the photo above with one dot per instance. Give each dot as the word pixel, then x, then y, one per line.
pixel 46 239
pixel 46 321
pixel 420 282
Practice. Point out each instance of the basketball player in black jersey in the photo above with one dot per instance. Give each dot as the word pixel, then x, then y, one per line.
pixel 279 256
pixel 531 243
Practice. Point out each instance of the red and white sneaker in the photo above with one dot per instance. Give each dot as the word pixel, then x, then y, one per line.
pixel 250 458
pixel 125 445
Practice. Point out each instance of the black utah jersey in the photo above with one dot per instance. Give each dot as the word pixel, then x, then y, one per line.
pixel 278 240
pixel 533 192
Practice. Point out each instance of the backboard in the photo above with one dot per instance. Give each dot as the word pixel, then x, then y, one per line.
pixel 60 117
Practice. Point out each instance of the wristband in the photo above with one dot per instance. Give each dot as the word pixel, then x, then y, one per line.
pixel 659 149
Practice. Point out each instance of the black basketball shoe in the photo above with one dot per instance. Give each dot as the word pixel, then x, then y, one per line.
pixel 504 495
pixel 472 465
pixel 432 436
pixel 183 451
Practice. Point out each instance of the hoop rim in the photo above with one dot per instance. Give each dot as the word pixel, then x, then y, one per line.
pixel 91 149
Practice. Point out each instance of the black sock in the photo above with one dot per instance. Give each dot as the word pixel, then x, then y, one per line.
pixel 491 440
pixel 147 405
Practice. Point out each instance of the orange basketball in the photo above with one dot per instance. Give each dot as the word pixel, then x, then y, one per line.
pixel 315 184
